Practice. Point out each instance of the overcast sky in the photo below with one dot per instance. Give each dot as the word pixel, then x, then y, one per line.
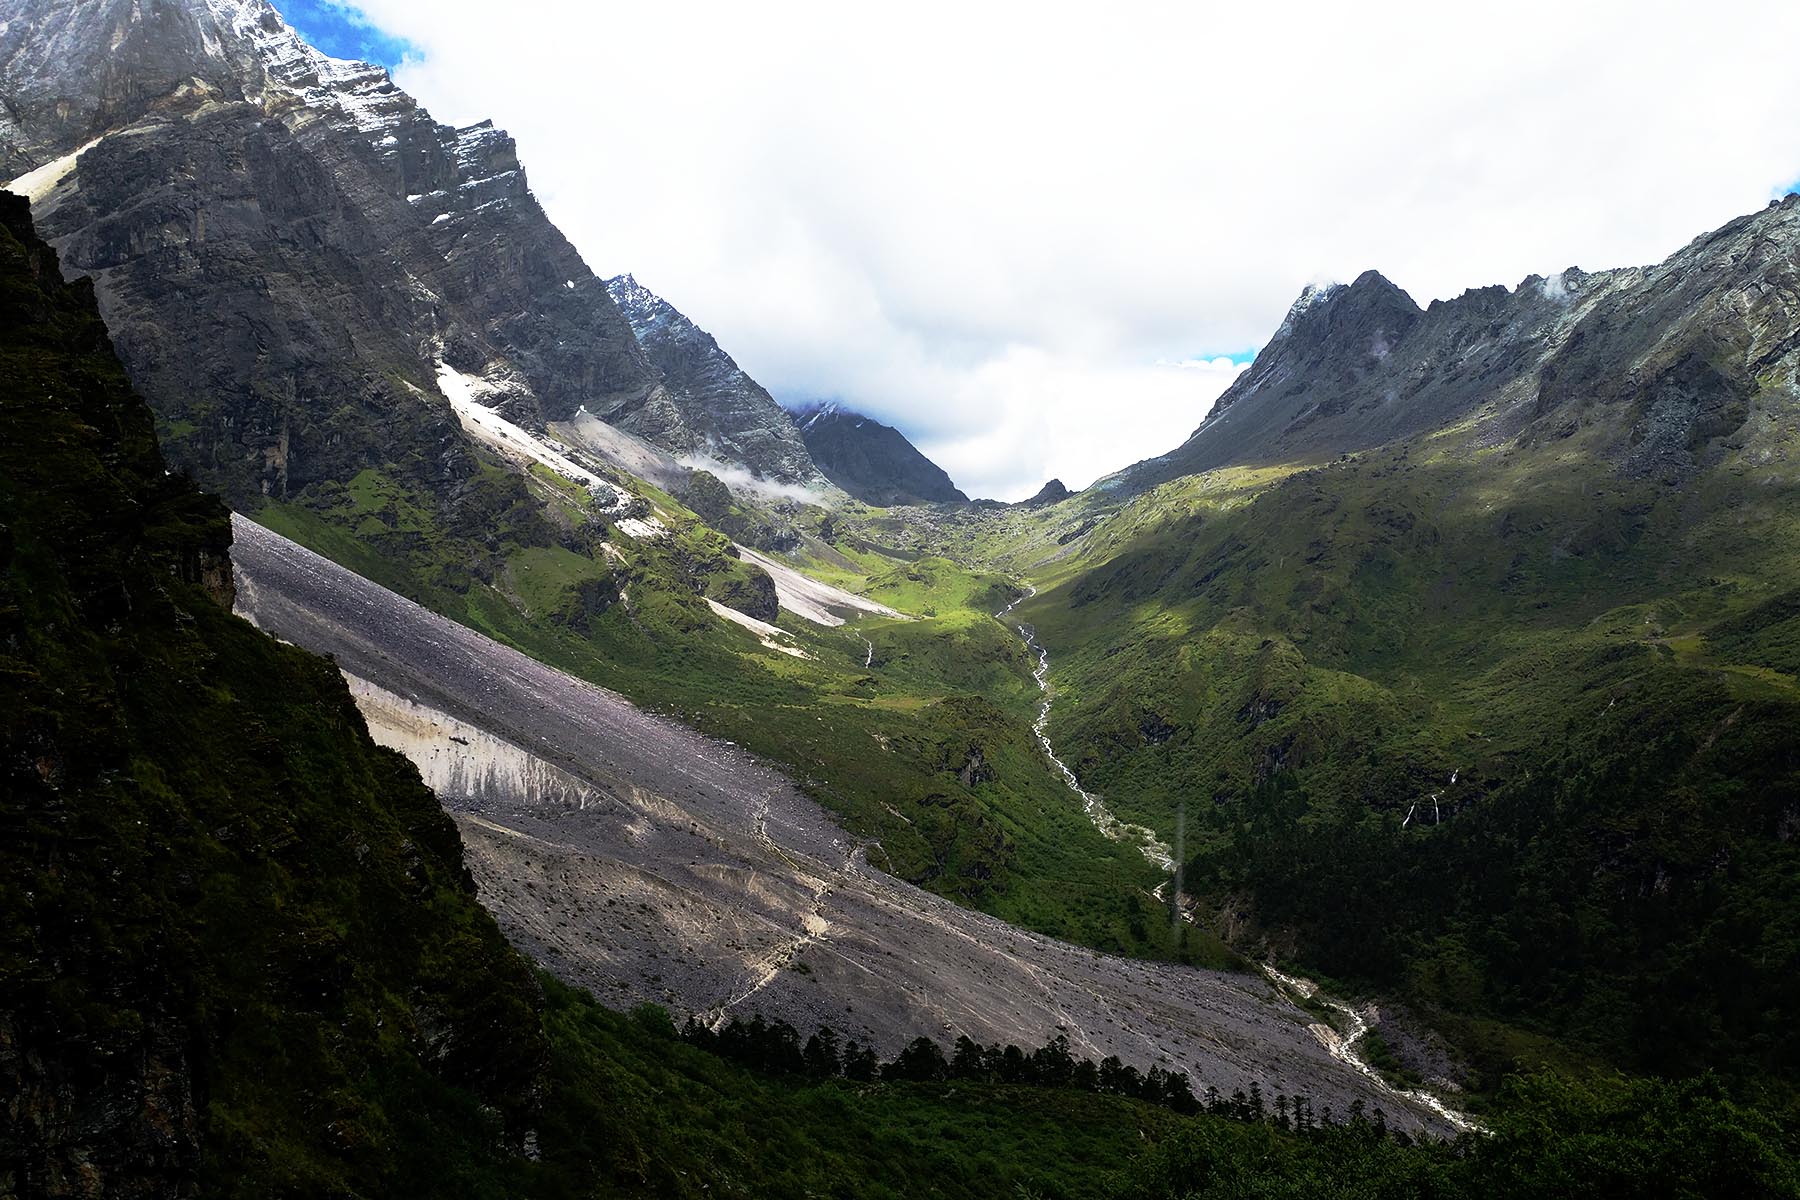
pixel 1032 236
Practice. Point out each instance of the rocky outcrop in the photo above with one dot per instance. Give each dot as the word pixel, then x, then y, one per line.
pixel 874 462
pixel 750 590
pixel 1053 492
pixel 1651 363
pixel 287 247
pixel 710 409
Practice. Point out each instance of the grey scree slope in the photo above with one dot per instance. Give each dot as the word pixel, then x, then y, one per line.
pixel 635 857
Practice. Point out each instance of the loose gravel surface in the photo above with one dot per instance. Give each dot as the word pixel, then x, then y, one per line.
pixel 638 858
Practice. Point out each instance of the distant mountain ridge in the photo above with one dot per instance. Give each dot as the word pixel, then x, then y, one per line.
pixel 872 461
pixel 713 408
pixel 1673 345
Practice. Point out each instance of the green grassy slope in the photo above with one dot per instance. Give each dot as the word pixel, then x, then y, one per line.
pixel 1502 729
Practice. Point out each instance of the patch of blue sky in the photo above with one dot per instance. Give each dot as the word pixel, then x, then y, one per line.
pixel 342 31
pixel 1235 357
pixel 1210 360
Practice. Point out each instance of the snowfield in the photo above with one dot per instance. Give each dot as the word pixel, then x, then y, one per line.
pixel 466 393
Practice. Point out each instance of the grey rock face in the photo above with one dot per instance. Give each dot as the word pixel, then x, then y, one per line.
pixel 287 246
pixel 710 408
pixel 1662 358
pixel 874 462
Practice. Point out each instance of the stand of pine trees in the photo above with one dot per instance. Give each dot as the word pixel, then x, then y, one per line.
pixel 774 1047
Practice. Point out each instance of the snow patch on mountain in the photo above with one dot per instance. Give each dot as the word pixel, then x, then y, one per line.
pixel 811 600
pixel 643 529
pixel 466 394
pixel 765 632
pixel 1313 295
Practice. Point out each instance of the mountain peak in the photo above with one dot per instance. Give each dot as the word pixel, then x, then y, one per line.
pixel 632 296
pixel 1053 492
pixel 714 409
pixel 872 461
pixel 1312 296
pixel 424 246
pixel 1329 301
pixel 814 414
pixel 1360 365
pixel 1373 291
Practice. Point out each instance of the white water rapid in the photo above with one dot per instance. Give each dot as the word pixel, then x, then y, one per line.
pixel 1343 1048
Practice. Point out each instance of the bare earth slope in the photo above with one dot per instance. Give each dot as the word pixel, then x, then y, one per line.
pixel 646 862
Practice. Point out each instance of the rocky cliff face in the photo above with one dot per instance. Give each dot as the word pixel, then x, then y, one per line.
pixel 874 462
pixel 710 408
pixel 1663 357
pixel 289 250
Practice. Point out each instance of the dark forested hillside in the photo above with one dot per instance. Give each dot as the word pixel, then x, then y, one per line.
pixel 240 949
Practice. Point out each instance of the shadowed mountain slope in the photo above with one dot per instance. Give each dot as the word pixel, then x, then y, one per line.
pixel 874 462
pixel 240 951
pixel 1463 639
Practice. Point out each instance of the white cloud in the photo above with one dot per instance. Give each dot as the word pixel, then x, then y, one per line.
pixel 987 223
pixel 1038 416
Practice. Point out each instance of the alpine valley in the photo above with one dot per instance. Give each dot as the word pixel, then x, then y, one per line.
pixel 463 736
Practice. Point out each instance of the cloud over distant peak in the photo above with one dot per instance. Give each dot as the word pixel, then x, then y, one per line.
pixel 996 226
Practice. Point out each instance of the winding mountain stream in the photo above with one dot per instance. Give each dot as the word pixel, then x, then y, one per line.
pixel 1343 1048
pixel 1341 1045
pixel 1143 837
